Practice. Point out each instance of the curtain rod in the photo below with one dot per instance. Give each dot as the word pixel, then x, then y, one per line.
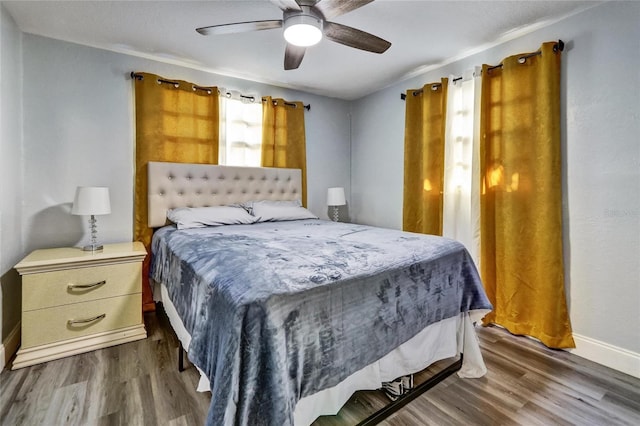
pixel 559 46
pixel 307 107
pixel 229 95
pixel 434 86
pixel 175 84
pixel 234 94
pixel 208 90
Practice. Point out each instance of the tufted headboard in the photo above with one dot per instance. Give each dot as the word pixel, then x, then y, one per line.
pixel 173 185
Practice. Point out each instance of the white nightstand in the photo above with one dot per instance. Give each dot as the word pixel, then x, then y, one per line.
pixel 76 301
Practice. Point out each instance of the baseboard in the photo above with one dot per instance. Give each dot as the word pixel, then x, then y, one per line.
pixel 608 355
pixel 10 345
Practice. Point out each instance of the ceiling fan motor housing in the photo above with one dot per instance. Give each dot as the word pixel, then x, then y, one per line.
pixel 302 28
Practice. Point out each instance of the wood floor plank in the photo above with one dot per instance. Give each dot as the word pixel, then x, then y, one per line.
pixel 17 413
pixel 628 409
pixel 132 409
pixel 111 419
pixel 474 405
pixel 138 384
pixel 67 405
pixel 421 412
pixel 534 415
pixel 37 391
pixel 186 420
pixel 546 367
pixel 450 404
pixel 10 385
pixel 571 410
pixel 103 398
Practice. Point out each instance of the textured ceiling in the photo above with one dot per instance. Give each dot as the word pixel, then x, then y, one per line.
pixel 422 33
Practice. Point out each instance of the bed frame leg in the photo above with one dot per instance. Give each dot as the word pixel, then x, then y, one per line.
pixel 391 408
pixel 180 357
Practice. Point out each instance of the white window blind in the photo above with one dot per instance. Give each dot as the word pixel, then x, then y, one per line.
pixel 240 130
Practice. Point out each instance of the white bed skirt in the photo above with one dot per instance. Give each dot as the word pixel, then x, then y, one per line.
pixel 444 339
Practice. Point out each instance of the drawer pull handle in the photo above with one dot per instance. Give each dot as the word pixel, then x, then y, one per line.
pixel 86 320
pixel 85 286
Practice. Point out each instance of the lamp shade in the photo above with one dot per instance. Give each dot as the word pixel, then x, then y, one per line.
pixel 335 197
pixel 91 200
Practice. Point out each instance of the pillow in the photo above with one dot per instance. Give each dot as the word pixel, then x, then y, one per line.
pixel 272 211
pixel 200 217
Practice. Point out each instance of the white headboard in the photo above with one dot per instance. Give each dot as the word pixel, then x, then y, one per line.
pixel 173 185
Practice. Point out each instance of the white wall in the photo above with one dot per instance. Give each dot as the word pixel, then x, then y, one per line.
pixel 10 178
pixel 601 148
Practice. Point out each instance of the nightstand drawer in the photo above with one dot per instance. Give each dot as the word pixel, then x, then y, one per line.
pixel 44 326
pixel 48 289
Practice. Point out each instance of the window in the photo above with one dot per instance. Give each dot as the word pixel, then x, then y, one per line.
pixel 461 205
pixel 240 130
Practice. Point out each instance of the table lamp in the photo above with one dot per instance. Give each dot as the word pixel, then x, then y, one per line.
pixel 335 198
pixel 91 201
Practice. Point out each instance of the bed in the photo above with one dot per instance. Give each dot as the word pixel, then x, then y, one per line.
pixel 286 319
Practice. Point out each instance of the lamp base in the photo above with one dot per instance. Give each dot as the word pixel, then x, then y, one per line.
pixel 93 247
pixel 335 214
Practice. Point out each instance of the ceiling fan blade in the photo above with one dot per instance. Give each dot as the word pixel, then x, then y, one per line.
pixel 240 27
pixel 355 38
pixel 293 56
pixel 286 4
pixel 332 8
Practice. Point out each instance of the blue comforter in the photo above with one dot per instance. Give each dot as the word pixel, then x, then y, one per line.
pixel 278 311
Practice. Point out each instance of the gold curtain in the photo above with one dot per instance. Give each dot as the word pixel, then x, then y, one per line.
pixel 283 137
pixel 521 201
pixel 425 122
pixel 176 121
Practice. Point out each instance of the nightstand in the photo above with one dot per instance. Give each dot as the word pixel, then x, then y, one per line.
pixel 76 301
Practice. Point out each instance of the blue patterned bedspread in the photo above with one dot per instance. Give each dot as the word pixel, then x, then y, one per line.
pixel 278 311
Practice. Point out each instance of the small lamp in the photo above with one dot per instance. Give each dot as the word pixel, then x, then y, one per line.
pixel 91 201
pixel 335 198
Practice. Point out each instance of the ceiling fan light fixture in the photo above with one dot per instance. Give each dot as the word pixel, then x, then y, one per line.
pixel 303 30
pixel 304 23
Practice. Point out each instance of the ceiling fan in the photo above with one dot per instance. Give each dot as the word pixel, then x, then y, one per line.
pixel 305 22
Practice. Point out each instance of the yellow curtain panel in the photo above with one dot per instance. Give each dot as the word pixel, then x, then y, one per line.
pixel 521 201
pixel 283 137
pixel 425 122
pixel 176 121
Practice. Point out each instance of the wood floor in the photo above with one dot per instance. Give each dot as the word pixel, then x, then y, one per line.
pixel 138 384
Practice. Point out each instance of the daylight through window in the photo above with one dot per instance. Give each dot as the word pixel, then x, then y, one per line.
pixel 240 132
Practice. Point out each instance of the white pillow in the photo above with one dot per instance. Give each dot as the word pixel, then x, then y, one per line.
pixel 272 211
pixel 200 217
